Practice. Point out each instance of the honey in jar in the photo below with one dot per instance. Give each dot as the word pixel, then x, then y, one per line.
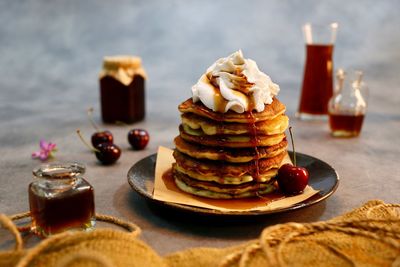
pixel 61 199
pixel 122 89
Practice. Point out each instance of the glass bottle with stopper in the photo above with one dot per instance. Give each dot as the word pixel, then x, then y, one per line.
pixel 348 105
pixel 61 199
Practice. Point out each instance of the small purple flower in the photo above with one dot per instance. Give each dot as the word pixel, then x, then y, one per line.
pixel 46 150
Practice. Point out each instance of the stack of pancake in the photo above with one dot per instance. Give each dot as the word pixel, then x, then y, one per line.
pixel 229 155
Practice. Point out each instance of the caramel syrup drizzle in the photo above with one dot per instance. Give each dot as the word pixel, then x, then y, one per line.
pixel 220 104
pixel 255 142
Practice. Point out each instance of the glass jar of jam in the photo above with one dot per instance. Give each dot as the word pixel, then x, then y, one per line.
pixel 60 199
pixel 122 89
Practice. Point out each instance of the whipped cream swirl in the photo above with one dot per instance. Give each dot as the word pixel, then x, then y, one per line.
pixel 234 83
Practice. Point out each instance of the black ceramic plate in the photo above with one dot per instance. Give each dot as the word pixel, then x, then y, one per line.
pixel 322 177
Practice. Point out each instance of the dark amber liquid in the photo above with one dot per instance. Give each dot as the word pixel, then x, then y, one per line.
pixel 317 83
pixel 254 140
pixel 73 209
pixel 345 125
pixel 120 102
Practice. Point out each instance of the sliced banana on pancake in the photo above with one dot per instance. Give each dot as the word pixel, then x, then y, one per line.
pixel 270 112
pixel 236 141
pixel 206 126
pixel 228 173
pixel 234 155
pixel 265 177
pixel 222 195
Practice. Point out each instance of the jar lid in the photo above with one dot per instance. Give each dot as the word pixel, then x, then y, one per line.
pixel 122 68
pixel 59 171
pixel 125 62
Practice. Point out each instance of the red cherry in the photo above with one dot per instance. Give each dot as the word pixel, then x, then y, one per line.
pixel 102 137
pixel 138 138
pixel 292 179
pixel 99 137
pixel 107 154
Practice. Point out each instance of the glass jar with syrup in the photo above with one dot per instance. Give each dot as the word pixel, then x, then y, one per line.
pixel 317 87
pixel 348 105
pixel 61 199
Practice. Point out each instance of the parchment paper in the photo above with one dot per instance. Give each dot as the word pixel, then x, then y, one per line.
pixel 169 192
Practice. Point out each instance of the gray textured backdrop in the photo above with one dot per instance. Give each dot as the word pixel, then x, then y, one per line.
pixel 51 53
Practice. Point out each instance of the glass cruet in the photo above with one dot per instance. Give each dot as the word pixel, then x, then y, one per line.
pixel 348 105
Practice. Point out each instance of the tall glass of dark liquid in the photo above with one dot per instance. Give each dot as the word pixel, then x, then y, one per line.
pixel 317 86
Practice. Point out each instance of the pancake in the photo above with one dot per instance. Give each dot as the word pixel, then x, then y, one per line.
pixel 229 155
pixel 236 155
pixel 264 177
pixel 219 188
pixel 234 141
pixel 270 112
pixel 206 190
pixel 218 171
pixel 209 127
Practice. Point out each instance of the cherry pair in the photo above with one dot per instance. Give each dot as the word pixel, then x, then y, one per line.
pixel 105 150
pixel 103 147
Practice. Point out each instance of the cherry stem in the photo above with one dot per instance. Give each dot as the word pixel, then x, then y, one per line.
pixel 86 143
pixel 121 123
pixel 90 116
pixel 294 151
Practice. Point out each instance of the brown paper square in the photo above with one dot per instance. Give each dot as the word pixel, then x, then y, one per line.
pixel 165 190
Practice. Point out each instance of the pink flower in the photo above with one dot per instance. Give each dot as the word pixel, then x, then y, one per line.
pixel 46 150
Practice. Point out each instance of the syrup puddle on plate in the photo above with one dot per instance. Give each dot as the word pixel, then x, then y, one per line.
pixel 235 204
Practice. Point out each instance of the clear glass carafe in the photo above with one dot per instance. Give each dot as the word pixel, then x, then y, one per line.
pixel 348 105
pixel 61 199
pixel 317 87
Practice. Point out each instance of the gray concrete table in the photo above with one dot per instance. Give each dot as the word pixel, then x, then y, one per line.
pixel 51 53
